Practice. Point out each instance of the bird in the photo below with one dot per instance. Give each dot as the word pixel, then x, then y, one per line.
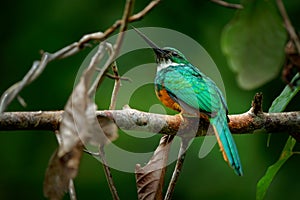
pixel 182 87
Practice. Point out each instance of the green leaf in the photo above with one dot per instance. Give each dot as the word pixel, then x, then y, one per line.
pixel 265 181
pixel 284 98
pixel 254 43
pixel 278 105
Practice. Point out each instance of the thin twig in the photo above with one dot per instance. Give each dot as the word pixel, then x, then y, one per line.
pixel 72 191
pixel 101 154
pixel 108 174
pixel 114 53
pixel 257 104
pixel 228 5
pixel 117 85
pixel 124 22
pixel 97 154
pixel 288 25
pixel 122 78
pixel 99 36
pixel 142 13
pixel 177 169
pixel 116 89
pixel 117 45
pixel 22 101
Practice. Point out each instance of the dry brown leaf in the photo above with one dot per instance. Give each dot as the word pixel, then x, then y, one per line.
pixel 60 171
pixel 150 178
pixel 80 121
pixel 79 127
pixel 63 165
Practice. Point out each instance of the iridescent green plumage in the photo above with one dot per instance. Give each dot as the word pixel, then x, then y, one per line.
pixel 182 87
pixel 195 93
pixel 189 85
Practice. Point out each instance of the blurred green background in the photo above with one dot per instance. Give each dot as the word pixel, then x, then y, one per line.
pixel 29 26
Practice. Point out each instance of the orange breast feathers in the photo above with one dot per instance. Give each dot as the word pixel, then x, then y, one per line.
pixel 165 98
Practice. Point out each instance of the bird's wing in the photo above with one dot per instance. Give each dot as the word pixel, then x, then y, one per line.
pixel 194 89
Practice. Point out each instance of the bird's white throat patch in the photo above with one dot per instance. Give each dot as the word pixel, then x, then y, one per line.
pixel 166 63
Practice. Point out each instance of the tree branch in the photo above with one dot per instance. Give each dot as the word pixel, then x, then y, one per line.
pixel 227 5
pixel 131 119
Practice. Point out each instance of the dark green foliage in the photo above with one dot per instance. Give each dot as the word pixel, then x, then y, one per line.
pixel 29 26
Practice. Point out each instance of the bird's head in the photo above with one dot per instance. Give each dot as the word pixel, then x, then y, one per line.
pixel 165 56
pixel 169 55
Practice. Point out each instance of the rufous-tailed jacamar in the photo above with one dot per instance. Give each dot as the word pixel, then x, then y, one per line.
pixel 183 87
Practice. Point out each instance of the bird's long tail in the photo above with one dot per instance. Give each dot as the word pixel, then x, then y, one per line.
pixel 226 142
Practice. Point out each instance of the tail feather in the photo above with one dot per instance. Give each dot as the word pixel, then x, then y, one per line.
pixel 226 143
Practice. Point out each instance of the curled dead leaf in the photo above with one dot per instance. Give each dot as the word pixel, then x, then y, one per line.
pixel 60 171
pixel 150 178
pixel 79 127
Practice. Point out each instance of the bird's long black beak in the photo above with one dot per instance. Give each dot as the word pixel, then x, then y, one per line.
pixel 160 53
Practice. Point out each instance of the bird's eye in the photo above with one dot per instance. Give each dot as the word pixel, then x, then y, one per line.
pixel 175 54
